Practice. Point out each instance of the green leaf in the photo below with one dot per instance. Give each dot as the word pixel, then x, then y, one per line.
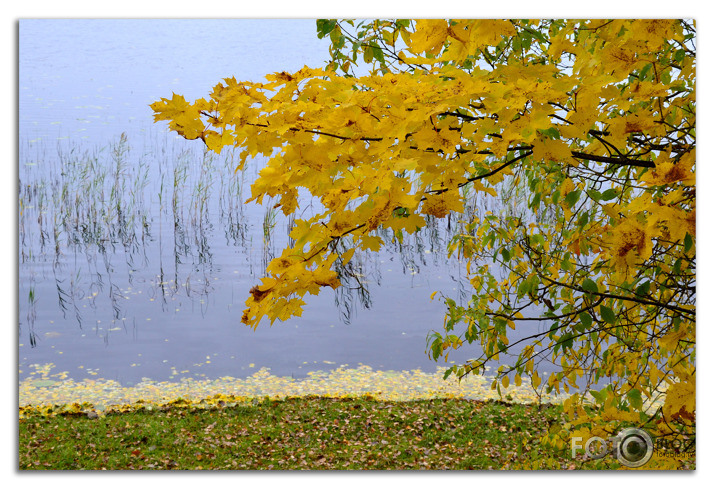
pixel 554 328
pixel 609 194
pixel 572 197
pixel 590 286
pixel 586 319
pixel 325 26
pixel 448 372
pixel 599 396
pixel 505 254
pixel 534 281
pixel 688 242
pixel 607 315
pixel 634 398
pixel 566 341
pixel 377 53
pixel 523 288
pixel 583 219
pixel 665 77
pixel 551 133
pixel 644 72
pixel 679 56
pixel 337 38
pixel 501 323
pixel 436 346
pixel 643 289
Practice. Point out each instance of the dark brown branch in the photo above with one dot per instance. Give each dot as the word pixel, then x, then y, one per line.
pixel 620 297
pixel 613 160
pixel 486 175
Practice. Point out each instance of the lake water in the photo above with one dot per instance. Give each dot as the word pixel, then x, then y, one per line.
pixel 135 251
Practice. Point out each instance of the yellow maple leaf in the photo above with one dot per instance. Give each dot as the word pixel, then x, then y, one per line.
pixel 629 240
pixel 620 58
pixel 672 221
pixel 442 204
pixel 490 32
pixel 552 150
pixel 621 127
pixel 215 141
pixel 667 171
pixel 652 32
pixel 670 341
pixel 429 36
pixel 680 401
pixel 373 243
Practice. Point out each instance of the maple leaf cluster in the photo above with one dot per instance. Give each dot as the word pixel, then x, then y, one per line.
pixel 592 122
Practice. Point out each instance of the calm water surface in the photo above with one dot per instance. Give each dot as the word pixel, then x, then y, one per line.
pixel 136 253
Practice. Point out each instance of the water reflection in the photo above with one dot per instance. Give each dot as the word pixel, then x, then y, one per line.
pixel 136 252
pixel 116 230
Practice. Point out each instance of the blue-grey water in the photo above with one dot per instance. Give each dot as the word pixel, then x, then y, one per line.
pixel 158 291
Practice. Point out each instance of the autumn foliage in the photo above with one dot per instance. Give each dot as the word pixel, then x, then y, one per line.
pixel 593 121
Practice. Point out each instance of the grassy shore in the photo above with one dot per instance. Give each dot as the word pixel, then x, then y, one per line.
pixel 353 419
pixel 297 433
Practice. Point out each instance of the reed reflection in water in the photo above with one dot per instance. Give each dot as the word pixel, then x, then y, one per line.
pixel 128 247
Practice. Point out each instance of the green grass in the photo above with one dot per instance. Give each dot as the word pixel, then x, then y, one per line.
pixel 295 433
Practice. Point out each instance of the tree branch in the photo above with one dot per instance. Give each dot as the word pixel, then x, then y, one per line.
pixel 613 160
